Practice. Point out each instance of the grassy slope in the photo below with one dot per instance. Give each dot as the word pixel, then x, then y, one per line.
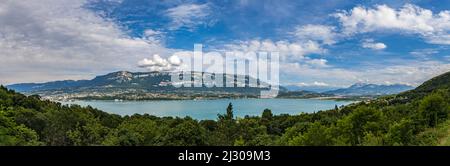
pixel 438 136
pixel 444 130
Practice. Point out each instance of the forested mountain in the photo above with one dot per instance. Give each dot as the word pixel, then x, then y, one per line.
pixel 138 85
pixel 416 117
pixel 157 85
pixel 439 82
pixel 362 89
pixel 301 94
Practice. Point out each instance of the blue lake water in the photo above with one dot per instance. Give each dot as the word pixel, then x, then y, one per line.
pixel 208 109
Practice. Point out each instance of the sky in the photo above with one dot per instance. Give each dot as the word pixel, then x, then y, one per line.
pixel 326 43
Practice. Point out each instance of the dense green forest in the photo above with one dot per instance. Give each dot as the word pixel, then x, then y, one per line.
pixel 416 117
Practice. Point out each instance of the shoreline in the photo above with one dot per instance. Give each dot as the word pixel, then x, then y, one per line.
pixel 206 99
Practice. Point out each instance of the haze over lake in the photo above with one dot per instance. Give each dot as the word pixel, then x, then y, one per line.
pixel 208 109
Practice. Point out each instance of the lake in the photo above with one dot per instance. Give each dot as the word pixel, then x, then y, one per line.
pixel 208 109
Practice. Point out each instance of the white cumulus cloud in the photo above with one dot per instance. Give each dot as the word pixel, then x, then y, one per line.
pixel 188 16
pixel 59 39
pixel 316 62
pixel 322 33
pixel 411 19
pixel 371 44
pixel 287 50
pixel 157 63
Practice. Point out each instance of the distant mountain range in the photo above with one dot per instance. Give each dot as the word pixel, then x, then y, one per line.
pixel 135 86
pixel 157 85
pixel 310 88
pixel 302 94
pixel 363 89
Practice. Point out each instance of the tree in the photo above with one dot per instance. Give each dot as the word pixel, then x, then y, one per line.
pixel 30 118
pixel 317 135
pixel 135 132
pixel 93 133
pixel 273 125
pixel 187 133
pixel 433 108
pixel 251 133
pixel 267 114
pixel 229 114
pixel 371 139
pixel 401 133
pixel 292 132
pixel 226 128
pixel 363 119
pixel 12 134
pixel 209 125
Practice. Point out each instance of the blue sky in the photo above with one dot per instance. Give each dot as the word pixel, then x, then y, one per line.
pixel 332 43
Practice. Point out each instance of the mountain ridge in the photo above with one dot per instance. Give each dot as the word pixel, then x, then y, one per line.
pixel 366 89
pixel 139 85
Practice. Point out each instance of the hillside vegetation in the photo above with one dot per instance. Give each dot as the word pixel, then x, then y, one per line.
pixel 416 117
